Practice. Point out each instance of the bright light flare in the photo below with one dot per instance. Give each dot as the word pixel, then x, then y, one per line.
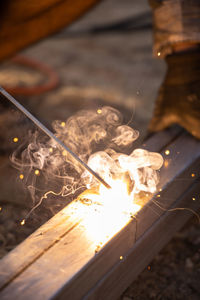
pixel 37 172
pixel 15 139
pixel 108 211
pixel 23 222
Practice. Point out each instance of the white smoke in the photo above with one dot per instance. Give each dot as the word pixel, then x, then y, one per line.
pixel 100 139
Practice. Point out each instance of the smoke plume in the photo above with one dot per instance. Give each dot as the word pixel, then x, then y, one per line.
pixel 100 139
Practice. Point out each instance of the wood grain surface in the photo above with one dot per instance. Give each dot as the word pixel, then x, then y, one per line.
pixel 59 260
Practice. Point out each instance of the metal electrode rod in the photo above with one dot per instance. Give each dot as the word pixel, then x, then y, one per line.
pixel 51 135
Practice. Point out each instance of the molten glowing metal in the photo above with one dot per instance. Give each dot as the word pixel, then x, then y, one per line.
pixel 107 211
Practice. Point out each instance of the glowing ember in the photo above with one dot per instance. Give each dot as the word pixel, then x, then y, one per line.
pixel 64 153
pixel 15 140
pixel 167 152
pixel 110 210
pixel 166 163
pixel 37 172
pixel 22 222
pixel 193 175
pixel 99 111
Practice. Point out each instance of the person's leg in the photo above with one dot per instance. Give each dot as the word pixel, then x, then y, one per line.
pixel 177 39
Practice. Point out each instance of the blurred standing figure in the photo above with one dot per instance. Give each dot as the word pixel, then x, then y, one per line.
pixel 176 30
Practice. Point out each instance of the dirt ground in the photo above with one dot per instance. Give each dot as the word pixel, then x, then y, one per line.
pixel 98 65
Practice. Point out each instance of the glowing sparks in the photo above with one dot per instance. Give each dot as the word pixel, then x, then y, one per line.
pixel 158 196
pixel 110 211
pixel 99 111
pixel 37 172
pixel 15 139
pixel 63 124
pixel 64 153
pixel 167 152
pixel 166 163
pixel 193 198
pixel 21 176
pixel 159 53
pixel 23 222
pixel 192 175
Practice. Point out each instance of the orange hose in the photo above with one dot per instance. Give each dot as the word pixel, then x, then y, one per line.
pixel 51 83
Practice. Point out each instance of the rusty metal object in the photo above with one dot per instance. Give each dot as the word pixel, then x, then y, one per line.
pixel 176 31
pixel 174 22
pixel 178 99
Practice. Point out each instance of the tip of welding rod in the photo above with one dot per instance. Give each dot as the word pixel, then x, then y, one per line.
pixel 107 185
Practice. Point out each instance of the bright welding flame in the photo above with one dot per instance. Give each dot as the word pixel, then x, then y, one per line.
pixel 110 210
pixel 101 140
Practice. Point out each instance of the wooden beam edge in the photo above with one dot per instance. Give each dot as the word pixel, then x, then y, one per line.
pixel 71 286
pixel 124 272
pixel 44 237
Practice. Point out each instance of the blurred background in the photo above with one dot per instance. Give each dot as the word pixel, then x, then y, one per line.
pixel 103 58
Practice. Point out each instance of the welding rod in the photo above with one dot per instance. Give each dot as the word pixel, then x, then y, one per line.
pixel 51 135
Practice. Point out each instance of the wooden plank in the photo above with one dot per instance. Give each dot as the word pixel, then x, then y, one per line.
pixel 46 236
pixel 37 244
pixel 179 171
pixel 156 237
pixel 70 267
pixel 175 177
pixel 78 263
